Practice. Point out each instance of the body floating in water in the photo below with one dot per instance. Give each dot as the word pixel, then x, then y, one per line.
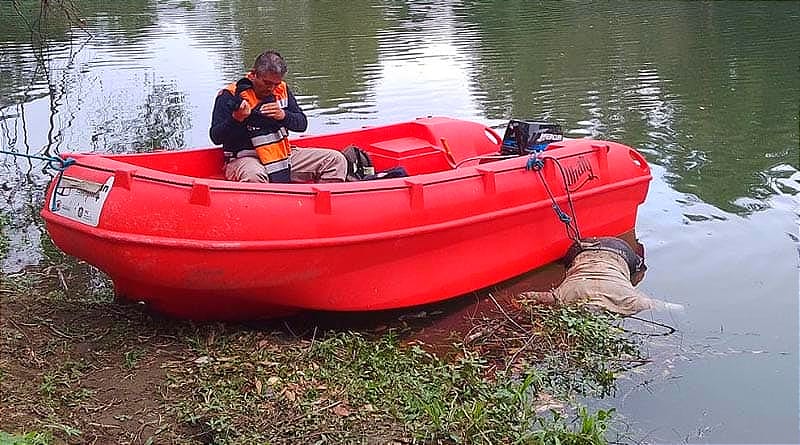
pixel 602 273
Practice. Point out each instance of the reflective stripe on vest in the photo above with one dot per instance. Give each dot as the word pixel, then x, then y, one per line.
pixel 276 166
pixel 269 147
pixel 269 138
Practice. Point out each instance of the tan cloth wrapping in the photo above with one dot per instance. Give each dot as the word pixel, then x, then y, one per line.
pixel 601 279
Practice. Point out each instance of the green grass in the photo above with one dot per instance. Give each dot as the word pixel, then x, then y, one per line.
pixel 433 398
pixel 32 438
pixel 588 429
pixel 589 349
pixel 225 384
pixel 131 358
pixel 345 382
pixel 4 228
pixel 62 386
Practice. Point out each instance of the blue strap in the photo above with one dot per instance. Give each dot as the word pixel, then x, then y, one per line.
pixel 534 162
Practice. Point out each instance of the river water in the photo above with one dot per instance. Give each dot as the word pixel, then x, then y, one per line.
pixel 707 91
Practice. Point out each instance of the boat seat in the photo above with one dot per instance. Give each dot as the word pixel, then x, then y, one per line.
pixel 403 146
pixel 415 154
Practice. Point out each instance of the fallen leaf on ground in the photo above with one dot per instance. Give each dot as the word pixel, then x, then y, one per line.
pixel 341 411
pixel 203 360
pixel 546 402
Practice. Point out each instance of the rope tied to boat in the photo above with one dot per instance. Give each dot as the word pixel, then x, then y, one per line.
pixel 56 163
pixel 536 163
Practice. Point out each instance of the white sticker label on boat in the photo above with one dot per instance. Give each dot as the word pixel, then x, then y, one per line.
pixel 80 200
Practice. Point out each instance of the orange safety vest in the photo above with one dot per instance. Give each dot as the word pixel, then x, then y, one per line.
pixel 272 149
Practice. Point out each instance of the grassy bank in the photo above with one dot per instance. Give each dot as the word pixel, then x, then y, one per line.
pixel 4 227
pixel 76 367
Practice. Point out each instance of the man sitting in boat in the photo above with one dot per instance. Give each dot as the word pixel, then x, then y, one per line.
pixel 252 119
pixel 602 273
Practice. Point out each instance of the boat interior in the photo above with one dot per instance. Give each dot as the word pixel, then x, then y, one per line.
pixel 424 146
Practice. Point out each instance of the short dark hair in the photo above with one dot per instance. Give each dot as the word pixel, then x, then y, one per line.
pixel 270 61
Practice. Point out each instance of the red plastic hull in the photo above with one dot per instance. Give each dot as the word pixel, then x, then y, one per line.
pixel 192 246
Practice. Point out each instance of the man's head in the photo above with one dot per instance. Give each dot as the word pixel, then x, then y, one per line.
pixel 267 73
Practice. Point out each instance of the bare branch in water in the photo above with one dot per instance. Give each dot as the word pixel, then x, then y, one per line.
pixel 37 27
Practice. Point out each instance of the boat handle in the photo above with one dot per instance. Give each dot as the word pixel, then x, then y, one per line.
pixel 638 159
pixel 492 136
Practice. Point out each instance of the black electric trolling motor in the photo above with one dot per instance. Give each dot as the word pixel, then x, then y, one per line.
pixel 523 138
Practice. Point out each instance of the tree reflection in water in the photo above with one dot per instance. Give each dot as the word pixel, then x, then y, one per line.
pixel 44 107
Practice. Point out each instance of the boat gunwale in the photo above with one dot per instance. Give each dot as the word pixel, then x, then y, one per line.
pixel 311 189
pixel 216 245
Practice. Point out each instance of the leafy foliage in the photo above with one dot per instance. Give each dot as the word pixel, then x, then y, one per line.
pixel 348 381
pixel 591 429
pixel 590 349
pixel 4 226
pixel 32 438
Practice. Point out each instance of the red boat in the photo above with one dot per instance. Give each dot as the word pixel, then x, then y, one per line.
pixel 171 232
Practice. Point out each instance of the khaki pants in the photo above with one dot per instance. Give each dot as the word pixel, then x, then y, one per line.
pixel 308 165
pixel 600 279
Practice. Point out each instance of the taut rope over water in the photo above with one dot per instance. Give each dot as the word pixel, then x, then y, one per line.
pixel 54 162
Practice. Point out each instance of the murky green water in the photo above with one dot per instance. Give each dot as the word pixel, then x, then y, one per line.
pixel 708 91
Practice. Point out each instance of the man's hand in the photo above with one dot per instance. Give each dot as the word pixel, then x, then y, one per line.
pixel 273 110
pixel 243 112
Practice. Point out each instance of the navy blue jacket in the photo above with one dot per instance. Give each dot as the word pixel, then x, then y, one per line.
pixel 234 135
